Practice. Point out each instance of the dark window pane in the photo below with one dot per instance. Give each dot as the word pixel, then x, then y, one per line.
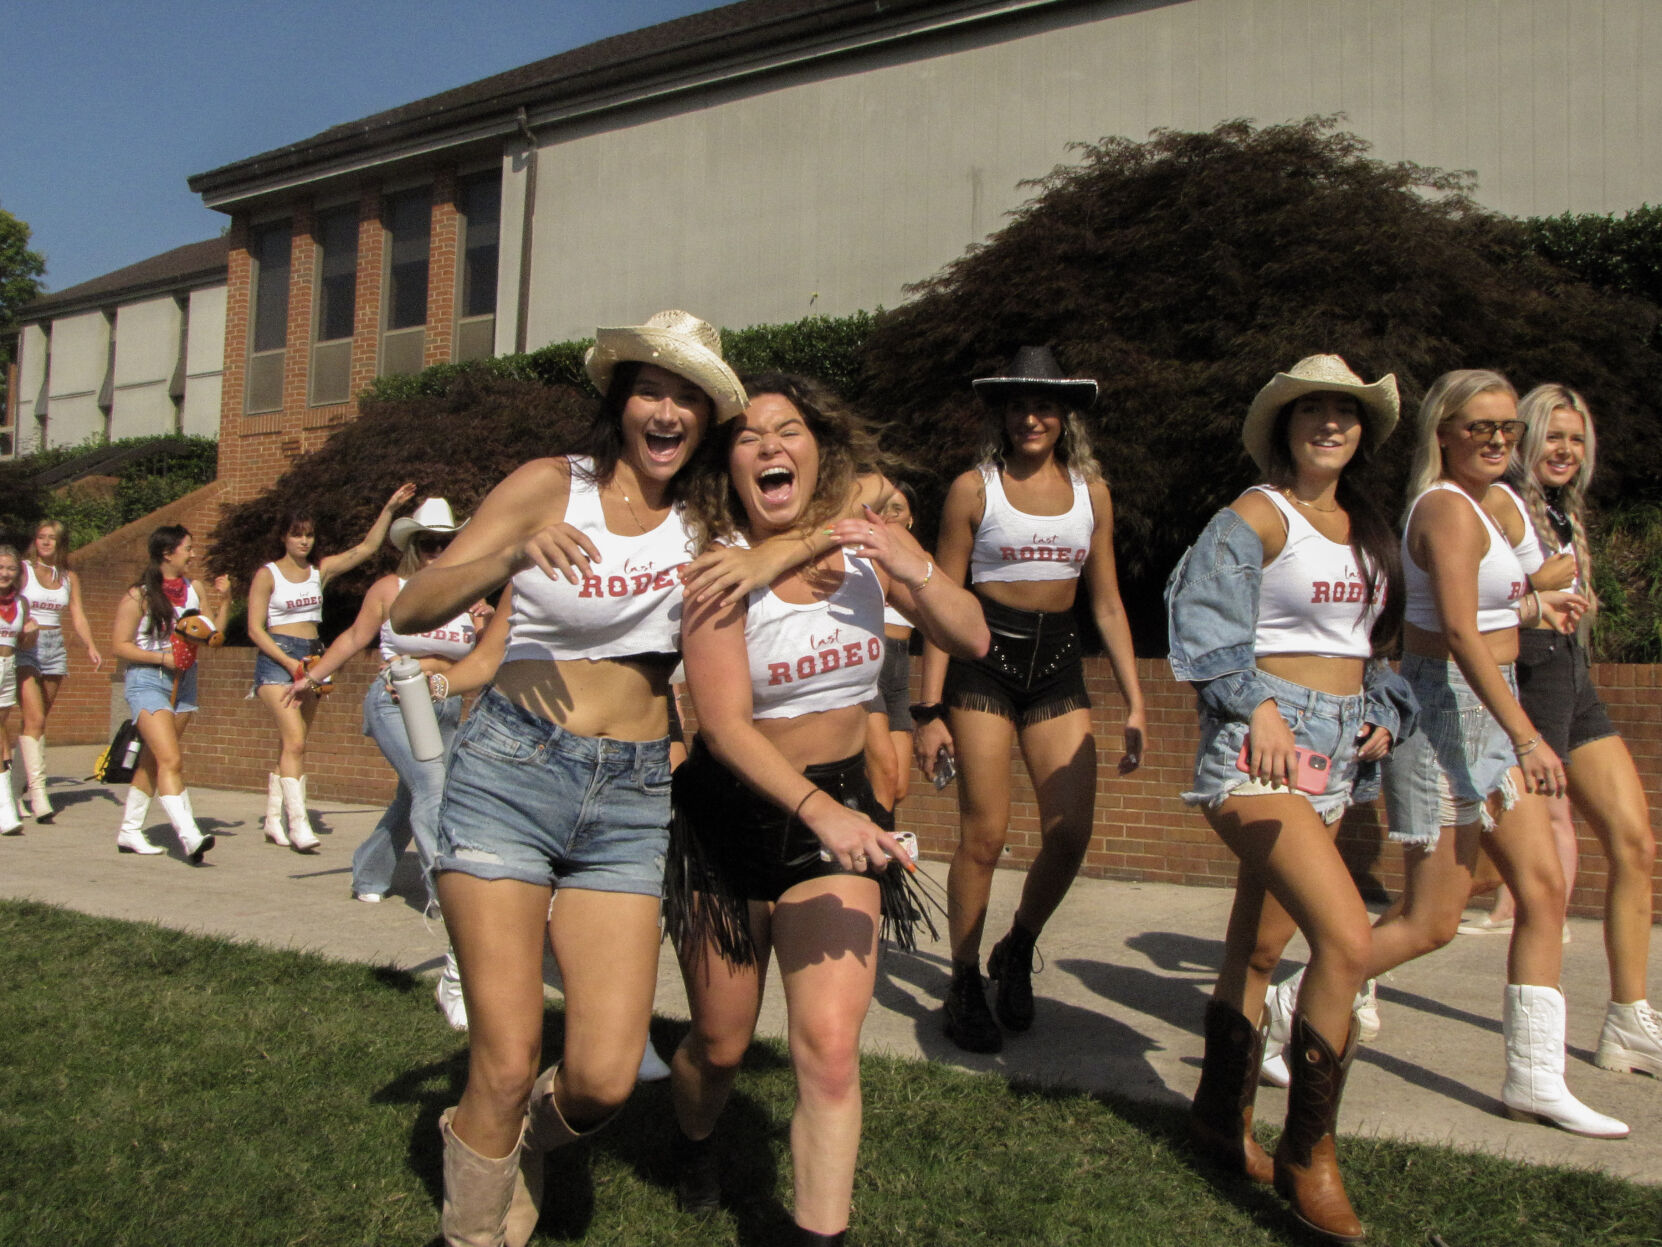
pixel 481 204
pixel 337 233
pixel 270 249
pixel 408 222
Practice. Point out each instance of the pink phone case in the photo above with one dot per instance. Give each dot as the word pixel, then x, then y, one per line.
pixel 1313 768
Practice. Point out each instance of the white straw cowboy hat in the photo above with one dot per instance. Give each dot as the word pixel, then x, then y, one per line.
pixel 1320 374
pixel 432 516
pixel 1034 370
pixel 677 341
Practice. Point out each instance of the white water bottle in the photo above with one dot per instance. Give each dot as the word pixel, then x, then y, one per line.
pixel 415 700
pixel 134 747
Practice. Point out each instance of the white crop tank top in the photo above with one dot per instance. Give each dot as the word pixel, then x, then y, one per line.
pixel 1500 577
pixel 1311 598
pixel 1532 552
pixel 1012 545
pixel 629 604
pixel 11 628
pixel 146 639
pixel 293 603
pixel 46 606
pixel 820 655
pixel 453 641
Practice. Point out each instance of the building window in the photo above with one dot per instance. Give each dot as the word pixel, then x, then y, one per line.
pixel 409 226
pixel 337 289
pixel 480 202
pixel 268 248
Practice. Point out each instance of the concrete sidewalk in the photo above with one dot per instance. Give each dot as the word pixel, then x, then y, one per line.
pixel 1128 968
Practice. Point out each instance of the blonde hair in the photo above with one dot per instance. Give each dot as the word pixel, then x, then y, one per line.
pixel 1073 447
pixel 1445 400
pixel 1535 410
pixel 60 557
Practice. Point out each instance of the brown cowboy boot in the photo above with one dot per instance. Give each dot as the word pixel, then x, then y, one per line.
pixel 1306 1161
pixel 1220 1120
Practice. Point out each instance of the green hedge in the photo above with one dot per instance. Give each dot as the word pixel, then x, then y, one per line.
pixel 178 467
pixel 1621 253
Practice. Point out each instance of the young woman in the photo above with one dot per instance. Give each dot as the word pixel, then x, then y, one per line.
pixel 1276 615
pixel 161 685
pixel 1478 765
pixel 51 589
pixel 1024 525
pixel 556 809
pixel 414 812
pixel 16 630
pixel 1543 518
pixel 889 716
pixel 772 807
pixel 285 607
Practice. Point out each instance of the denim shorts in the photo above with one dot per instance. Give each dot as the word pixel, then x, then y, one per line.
pixel 1443 775
pixel 268 670
pixel 894 686
pixel 47 655
pixel 525 799
pixel 1032 670
pixel 1556 690
pixel 151 688
pixel 1319 721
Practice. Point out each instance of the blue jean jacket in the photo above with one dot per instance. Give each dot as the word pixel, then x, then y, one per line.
pixel 1212 621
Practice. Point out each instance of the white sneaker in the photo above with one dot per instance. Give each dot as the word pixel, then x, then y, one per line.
pixel 1366 1009
pixel 653 1068
pixel 368 898
pixel 448 994
pixel 1631 1041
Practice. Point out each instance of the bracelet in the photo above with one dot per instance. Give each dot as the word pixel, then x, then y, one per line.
pixel 1540 611
pixel 926 712
pixel 1520 752
pixel 438 684
pixel 927 577
pixel 796 813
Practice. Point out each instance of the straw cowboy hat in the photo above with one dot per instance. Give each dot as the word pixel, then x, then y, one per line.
pixel 1320 374
pixel 1034 370
pixel 432 516
pixel 677 341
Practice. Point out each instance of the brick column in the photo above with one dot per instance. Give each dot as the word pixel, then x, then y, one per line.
pixel 442 245
pixel 239 296
pixel 366 315
pixel 297 358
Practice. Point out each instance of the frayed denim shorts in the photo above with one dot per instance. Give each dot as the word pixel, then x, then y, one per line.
pixel 1443 775
pixel 268 670
pixel 47 655
pixel 525 799
pixel 1319 721
pixel 151 688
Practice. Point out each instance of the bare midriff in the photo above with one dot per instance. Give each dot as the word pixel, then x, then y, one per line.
pixel 821 736
pixel 619 698
pixel 1031 595
pixel 1502 643
pixel 306 631
pixel 1341 677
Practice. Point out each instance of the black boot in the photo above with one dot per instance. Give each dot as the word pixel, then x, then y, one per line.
pixel 968 1021
pixel 808 1238
pixel 1011 965
pixel 697 1175
pixel 1220 1120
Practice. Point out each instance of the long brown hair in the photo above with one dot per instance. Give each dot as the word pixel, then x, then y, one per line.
pixel 602 442
pixel 158 611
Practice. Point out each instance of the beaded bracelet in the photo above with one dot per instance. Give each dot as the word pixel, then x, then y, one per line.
pixel 924 583
pixel 796 814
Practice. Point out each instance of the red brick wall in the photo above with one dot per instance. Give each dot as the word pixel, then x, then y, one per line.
pixel 441 271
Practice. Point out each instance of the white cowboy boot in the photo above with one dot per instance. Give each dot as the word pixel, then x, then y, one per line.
pixel 10 823
pixel 448 994
pixel 190 835
pixel 33 749
pixel 274 811
pixel 131 837
pixel 301 837
pixel 1534 1090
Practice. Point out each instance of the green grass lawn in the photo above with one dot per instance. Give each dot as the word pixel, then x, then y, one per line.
pixel 158 1088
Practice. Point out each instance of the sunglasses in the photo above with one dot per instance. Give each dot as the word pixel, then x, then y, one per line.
pixel 429 544
pixel 1483 430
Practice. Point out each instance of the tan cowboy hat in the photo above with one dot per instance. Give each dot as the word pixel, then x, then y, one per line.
pixel 1314 374
pixel 677 341
pixel 432 516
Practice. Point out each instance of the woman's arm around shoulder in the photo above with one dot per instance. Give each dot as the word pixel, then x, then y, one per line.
pixel 948 614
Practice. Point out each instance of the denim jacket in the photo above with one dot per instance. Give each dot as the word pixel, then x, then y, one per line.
pixel 1212 618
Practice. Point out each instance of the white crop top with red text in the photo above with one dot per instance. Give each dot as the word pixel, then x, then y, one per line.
pixel 1012 545
pixel 293 603
pixel 629 604
pixel 1500 577
pixel 453 640
pixel 146 638
pixel 1311 598
pixel 11 627
pixel 46 606
pixel 823 655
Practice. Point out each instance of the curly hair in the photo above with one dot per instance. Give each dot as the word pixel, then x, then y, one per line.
pixel 1073 447
pixel 847 449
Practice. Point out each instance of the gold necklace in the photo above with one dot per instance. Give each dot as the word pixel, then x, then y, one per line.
pixel 1289 494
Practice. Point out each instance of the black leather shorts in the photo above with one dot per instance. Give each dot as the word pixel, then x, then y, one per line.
pixel 1032 671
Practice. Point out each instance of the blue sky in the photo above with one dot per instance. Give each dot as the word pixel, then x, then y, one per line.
pixel 108 107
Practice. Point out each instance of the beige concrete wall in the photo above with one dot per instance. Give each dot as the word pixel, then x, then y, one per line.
pixel 32 344
pixel 146 354
pixel 80 359
pixel 204 362
pixel 829 187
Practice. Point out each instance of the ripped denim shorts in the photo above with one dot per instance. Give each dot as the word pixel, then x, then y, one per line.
pixel 1443 775
pixel 1319 721
pixel 525 799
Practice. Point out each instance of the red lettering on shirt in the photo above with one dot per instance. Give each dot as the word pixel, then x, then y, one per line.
pixel 851 654
pixel 1319 591
pixel 779 673
pixel 591 588
pixel 806 668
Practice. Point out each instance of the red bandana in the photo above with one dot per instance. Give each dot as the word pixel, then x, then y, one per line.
pixel 177 590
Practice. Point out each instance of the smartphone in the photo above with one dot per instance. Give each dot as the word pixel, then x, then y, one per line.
pixel 1313 768
pixel 944 770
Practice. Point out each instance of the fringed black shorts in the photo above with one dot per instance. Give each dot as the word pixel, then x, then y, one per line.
pixel 729 846
pixel 1032 670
